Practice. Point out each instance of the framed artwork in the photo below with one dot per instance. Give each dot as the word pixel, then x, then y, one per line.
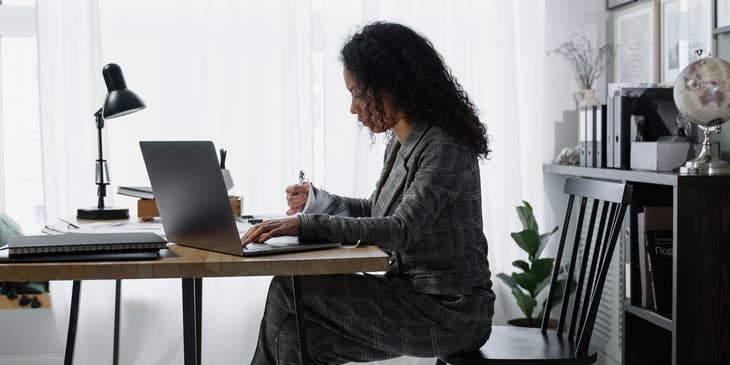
pixel 613 4
pixel 722 14
pixel 686 27
pixel 636 38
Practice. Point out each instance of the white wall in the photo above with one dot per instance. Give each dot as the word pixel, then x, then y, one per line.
pixel 560 123
pixel 560 119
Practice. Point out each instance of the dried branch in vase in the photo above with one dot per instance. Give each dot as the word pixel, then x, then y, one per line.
pixel 588 61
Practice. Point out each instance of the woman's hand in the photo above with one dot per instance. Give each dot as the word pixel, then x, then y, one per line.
pixel 296 197
pixel 271 228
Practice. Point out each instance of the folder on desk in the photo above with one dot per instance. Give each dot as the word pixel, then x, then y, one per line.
pixel 74 243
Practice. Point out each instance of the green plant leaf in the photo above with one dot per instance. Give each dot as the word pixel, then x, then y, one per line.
pixel 526 217
pixel 544 239
pixel 527 240
pixel 542 269
pixel 520 264
pixel 543 284
pixel 526 280
pixel 507 280
pixel 525 302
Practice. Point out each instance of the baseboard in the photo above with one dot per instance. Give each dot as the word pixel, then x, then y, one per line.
pixel 34 359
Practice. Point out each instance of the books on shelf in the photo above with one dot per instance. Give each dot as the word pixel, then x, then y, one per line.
pixel 644 279
pixel 654 253
pixel 73 243
pixel 659 248
pixel 143 192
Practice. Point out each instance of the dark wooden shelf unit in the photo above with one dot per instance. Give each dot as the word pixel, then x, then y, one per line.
pixel 649 316
pixel 698 331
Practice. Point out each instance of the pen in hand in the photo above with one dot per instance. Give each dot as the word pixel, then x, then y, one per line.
pixel 296 195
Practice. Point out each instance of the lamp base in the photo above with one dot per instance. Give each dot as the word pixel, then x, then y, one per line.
pixel 102 213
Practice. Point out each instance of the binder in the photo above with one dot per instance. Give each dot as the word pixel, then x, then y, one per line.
pixel 84 243
pixel 608 142
pixel 82 257
pixel 582 137
pixel 599 129
pixel 590 136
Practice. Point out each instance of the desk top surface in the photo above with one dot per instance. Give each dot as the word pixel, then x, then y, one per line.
pixel 183 262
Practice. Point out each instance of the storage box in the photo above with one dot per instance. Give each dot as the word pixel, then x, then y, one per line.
pixel 147 208
pixel 659 156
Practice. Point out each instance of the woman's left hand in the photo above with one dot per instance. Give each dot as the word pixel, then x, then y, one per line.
pixel 271 228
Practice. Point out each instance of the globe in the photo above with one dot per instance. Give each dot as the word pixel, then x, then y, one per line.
pixel 702 91
pixel 702 95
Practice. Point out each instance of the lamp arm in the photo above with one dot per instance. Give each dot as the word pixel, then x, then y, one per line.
pixel 101 190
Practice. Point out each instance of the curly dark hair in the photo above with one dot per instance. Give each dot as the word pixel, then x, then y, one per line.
pixel 392 58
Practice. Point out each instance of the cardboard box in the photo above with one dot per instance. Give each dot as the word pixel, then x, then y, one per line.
pixel 147 208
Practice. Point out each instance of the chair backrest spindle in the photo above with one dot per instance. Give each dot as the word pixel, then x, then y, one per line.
pixel 585 336
pixel 571 266
pixel 583 265
pixel 602 232
pixel 554 278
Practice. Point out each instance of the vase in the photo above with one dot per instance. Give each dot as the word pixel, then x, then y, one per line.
pixel 586 97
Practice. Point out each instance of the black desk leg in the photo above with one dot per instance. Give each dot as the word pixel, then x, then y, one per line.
pixel 296 288
pixel 72 322
pixel 191 300
pixel 117 300
pixel 199 317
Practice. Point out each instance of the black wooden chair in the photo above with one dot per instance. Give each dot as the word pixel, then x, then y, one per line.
pixel 518 345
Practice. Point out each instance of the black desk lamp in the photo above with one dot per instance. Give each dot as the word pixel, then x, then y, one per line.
pixel 119 101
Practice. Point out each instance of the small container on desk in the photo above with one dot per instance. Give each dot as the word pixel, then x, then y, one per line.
pixel 147 208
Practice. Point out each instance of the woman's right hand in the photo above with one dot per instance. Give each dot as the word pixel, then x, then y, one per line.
pixel 296 197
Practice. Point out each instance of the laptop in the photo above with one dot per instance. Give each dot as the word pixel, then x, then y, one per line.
pixel 193 202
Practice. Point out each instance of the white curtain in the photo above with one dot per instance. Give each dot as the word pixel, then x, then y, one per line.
pixel 263 80
pixel 69 57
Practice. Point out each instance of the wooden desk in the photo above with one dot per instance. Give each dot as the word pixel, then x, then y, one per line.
pixel 191 265
pixel 187 262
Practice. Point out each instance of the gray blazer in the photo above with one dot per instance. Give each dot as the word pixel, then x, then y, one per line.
pixel 426 213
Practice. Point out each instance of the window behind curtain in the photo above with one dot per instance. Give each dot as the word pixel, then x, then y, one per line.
pixel 21 189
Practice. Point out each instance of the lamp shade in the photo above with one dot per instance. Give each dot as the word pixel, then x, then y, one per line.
pixel 119 100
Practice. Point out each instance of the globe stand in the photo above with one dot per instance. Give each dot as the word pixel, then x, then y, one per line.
pixel 706 163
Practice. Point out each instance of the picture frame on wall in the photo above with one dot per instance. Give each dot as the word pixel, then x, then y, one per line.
pixel 613 4
pixel 686 26
pixel 722 13
pixel 636 38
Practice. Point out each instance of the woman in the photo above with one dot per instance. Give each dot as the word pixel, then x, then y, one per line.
pixel 436 298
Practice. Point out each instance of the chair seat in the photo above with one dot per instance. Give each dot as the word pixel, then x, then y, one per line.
pixel 518 345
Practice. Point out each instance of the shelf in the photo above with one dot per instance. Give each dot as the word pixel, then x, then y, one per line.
pixel 721 30
pixel 649 177
pixel 649 316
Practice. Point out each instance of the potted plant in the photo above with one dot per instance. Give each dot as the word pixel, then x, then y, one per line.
pixel 535 273
pixel 589 61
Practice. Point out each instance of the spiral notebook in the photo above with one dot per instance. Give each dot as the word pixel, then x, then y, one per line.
pixel 72 243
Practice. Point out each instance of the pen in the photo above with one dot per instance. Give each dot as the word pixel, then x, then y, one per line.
pixel 301 177
pixel 69 223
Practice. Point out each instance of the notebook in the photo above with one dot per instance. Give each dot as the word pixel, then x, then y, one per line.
pixel 144 192
pixel 69 243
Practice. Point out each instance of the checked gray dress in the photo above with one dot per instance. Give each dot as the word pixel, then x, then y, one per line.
pixel 436 297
